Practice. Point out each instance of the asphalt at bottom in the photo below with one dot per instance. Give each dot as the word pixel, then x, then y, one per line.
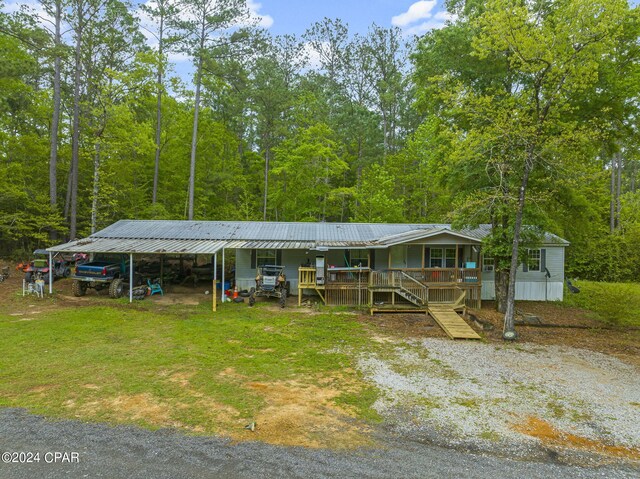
pixel 129 452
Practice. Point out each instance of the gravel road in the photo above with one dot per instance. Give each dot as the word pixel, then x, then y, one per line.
pixel 486 395
pixel 127 452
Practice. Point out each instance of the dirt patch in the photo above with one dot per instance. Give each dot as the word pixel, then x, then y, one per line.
pixel 299 414
pixel 402 325
pixel 137 407
pixel 550 436
pixel 42 389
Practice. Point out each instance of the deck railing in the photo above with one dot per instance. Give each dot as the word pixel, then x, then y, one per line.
pixel 443 275
pixel 399 279
pixel 432 285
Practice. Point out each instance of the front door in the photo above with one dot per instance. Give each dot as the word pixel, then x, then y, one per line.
pixel 398 256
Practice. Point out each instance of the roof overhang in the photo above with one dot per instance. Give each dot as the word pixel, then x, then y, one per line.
pixel 420 234
pixel 140 246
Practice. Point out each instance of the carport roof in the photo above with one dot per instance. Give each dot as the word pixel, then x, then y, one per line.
pixel 208 237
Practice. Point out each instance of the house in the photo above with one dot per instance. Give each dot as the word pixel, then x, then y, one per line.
pixel 346 263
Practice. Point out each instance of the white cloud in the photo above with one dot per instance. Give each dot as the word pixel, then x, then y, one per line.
pixel 418 11
pixel 264 21
pixel 312 56
pixel 31 6
pixel 438 22
pixel 419 19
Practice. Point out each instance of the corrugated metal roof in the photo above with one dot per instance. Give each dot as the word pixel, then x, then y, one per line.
pixel 207 237
pixel 112 245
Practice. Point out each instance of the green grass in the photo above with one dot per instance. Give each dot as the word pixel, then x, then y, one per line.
pixel 611 303
pixel 82 361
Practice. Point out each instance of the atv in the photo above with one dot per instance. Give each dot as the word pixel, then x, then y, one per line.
pixel 39 266
pixel 271 282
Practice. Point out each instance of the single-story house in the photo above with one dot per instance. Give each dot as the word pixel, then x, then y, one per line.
pixel 345 263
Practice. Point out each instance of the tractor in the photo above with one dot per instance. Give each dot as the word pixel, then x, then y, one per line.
pixel 271 282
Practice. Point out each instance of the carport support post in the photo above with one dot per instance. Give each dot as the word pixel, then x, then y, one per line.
pixel 215 281
pixel 131 277
pixel 223 295
pixel 50 272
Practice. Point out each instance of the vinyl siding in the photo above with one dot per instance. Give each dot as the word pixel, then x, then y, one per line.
pixel 530 285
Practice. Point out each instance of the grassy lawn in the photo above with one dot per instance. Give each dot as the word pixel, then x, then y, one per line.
pixel 183 366
pixel 613 303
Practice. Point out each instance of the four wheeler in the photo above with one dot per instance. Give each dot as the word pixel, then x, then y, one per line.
pixel 271 282
pixel 40 266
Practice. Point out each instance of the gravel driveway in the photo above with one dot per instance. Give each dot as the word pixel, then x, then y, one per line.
pixel 126 452
pixel 515 396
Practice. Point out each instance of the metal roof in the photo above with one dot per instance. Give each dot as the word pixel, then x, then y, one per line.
pixel 112 245
pixel 208 237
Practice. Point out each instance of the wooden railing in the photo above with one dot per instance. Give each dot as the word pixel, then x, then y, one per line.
pixel 306 277
pixel 346 276
pixel 443 275
pixel 398 279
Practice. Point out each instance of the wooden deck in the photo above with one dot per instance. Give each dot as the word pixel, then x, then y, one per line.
pixel 451 322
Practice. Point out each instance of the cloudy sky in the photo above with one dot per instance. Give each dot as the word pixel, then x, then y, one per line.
pixel 295 16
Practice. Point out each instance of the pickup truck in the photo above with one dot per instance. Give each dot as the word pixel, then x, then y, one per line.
pixel 104 271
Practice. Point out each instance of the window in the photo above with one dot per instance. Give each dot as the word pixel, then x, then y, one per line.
pixel 450 258
pixel 436 258
pixel 442 258
pixel 487 263
pixel 265 256
pixel 359 257
pixel 533 259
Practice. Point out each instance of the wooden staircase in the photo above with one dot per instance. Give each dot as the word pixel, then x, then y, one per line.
pixel 400 283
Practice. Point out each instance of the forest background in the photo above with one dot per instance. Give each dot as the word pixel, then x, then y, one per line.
pixel 514 113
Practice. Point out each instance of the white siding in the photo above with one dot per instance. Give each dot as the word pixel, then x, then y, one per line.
pixel 554 263
pixel 527 290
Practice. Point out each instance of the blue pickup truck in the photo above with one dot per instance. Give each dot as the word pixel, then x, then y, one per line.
pixel 104 271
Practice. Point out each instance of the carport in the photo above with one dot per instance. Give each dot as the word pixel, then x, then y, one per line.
pixel 136 246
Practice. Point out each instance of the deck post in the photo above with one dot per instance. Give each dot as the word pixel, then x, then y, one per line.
pixel 50 272
pixel 131 277
pixel 457 266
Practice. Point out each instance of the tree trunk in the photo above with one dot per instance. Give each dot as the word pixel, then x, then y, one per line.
pixel 55 120
pixel 96 187
pixel 194 138
pixel 267 160
pixel 612 204
pixel 75 142
pixel 156 169
pixel 618 189
pixel 501 288
pixel 509 324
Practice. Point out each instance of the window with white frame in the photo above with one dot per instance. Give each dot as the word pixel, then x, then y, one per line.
pixel 449 257
pixel 533 259
pixel 487 263
pixel 359 257
pixel 436 258
pixel 265 256
pixel 442 258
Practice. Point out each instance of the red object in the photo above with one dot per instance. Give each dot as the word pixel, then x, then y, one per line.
pixel 104 271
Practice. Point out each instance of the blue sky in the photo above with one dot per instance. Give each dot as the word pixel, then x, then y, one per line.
pixel 295 16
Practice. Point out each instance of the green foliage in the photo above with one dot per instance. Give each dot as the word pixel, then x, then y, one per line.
pixel 613 303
